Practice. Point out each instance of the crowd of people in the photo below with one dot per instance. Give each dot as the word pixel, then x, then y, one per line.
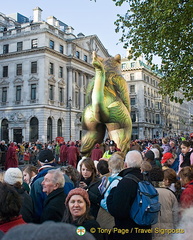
pixel 53 182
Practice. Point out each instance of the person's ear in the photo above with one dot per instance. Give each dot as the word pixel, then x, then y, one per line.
pixel 39 163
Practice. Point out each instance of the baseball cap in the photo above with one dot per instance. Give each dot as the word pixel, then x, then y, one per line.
pixel 46 156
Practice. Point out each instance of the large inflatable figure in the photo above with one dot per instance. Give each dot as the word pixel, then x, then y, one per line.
pixel 107 106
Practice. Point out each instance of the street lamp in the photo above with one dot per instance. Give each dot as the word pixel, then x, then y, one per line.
pixel 70 110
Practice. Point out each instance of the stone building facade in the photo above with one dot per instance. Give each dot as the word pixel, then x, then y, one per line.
pixel 152 115
pixel 44 72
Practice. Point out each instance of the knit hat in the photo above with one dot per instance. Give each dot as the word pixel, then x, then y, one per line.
pixel 166 157
pixel 13 175
pixel 150 155
pixel 46 156
pixel 78 191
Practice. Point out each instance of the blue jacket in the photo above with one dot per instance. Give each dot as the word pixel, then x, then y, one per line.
pixel 113 181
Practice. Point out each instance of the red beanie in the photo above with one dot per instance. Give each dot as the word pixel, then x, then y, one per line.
pixel 78 191
pixel 166 157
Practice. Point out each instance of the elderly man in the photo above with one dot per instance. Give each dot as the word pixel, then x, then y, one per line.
pixel 121 198
pixel 53 186
pixel 47 162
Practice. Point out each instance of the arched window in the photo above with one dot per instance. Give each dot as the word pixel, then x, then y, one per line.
pixel 33 136
pixel 49 129
pixel 4 130
pixel 59 128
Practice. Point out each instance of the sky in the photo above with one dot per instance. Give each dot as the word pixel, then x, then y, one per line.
pixel 88 17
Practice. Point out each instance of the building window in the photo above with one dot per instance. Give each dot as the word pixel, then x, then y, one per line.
pixel 132 101
pixel 132 64
pixel 34 67
pixel 60 72
pixel 51 68
pixel 34 43
pixel 77 54
pixel 34 125
pixel 61 95
pixel 147 79
pixel 77 99
pixel 5 130
pixel 157 119
pixel 133 116
pixel 33 91
pixel 4 94
pixel 61 49
pixel 19 69
pixel 51 92
pixel 85 58
pixel 18 93
pixel 123 65
pixel 5 48
pixel 132 77
pixel 49 129
pixel 51 44
pixel 59 130
pixel 132 89
pixel 145 100
pixel 145 90
pixel 19 46
pixel 5 71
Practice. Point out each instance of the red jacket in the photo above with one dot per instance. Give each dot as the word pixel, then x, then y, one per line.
pixel 96 154
pixel 5 226
pixel 186 198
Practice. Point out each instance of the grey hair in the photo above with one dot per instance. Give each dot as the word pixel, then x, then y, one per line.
pixel 58 177
pixel 133 159
pixel 116 163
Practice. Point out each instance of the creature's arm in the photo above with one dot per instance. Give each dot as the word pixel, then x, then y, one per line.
pixel 89 91
pixel 122 90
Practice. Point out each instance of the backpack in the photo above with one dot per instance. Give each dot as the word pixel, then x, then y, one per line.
pixel 146 206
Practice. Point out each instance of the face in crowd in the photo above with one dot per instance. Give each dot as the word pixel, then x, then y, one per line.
pixel 48 184
pixel 86 173
pixel 77 206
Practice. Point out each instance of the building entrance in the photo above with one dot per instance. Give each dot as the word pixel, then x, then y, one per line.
pixel 17 135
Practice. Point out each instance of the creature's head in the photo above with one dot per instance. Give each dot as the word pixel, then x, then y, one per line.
pixel 111 64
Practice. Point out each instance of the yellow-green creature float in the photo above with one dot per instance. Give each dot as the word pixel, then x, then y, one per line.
pixel 107 106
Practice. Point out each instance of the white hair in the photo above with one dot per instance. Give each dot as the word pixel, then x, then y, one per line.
pixel 156 152
pixel 58 177
pixel 133 159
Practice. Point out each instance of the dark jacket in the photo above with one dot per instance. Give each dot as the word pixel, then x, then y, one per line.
pixel 27 205
pixel 54 206
pixel 119 203
pixel 94 194
pixel 38 196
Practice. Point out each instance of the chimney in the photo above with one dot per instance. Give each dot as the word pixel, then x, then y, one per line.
pixel 51 20
pixel 69 29
pixel 57 24
pixel 37 14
